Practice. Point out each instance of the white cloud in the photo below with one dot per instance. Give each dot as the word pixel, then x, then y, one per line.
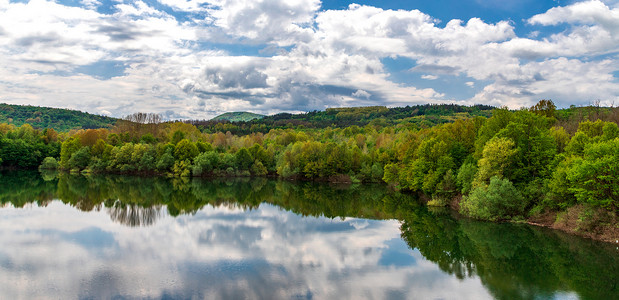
pixel 555 79
pixel 588 12
pixel 282 21
pixel 595 31
pixel 361 94
pixel 315 59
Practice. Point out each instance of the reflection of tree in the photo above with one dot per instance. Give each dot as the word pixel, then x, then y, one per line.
pixel 514 261
pixel 189 196
pixel 23 187
pixel 134 215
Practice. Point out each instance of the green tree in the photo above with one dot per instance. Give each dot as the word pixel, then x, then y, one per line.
pixel 497 156
pixel 67 149
pixel 166 161
pixel 49 163
pixel 204 163
pixel 177 136
pixel 594 177
pixel 148 160
pixel 80 159
pixel 243 159
pixel 185 150
pixel 466 175
pixel 258 168
pixel 496 201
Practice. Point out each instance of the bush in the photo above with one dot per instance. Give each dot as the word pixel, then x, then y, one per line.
pixel 166 161
pixel 80 159
pixel 499 200
pixel 185 150
pixel 205 162
pixel 49 163
pixel 182 168
pixel 258 168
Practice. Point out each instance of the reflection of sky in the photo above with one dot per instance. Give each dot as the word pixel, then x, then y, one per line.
pixel 218 253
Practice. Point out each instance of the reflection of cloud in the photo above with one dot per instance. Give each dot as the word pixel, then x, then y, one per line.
pixel 218 253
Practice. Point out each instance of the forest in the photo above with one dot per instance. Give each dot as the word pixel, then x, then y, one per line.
pixel 496 165
pixel 56 118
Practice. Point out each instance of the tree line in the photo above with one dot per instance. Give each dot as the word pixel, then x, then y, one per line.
pixel 507 166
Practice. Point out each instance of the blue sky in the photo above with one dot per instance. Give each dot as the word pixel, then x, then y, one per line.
pixel 193 59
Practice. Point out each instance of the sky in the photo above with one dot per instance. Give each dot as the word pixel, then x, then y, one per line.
pixel 195 59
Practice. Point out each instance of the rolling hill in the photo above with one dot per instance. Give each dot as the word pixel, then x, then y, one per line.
pixel 239 116
pixel 47 117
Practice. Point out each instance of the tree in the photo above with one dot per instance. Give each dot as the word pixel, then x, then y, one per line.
pixel 177 137
pixel 147 161
pixel 67 149
pixel 49 163
pixel 496 201
pixel 594 177
pixel 243 159
pixel 80 159
pixel 185 150
pixel 466 175
pixel 203 163
pixel 258 169
pixel 545 108
pixel 166 161
pixel 497 157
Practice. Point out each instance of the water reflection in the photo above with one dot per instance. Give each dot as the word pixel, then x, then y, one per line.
pixel 272 239
pixel 134 215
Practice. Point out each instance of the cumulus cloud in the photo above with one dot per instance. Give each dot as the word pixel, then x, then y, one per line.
pixel 429 77
pixel 184 59
pixel 282 21
pixel 361 94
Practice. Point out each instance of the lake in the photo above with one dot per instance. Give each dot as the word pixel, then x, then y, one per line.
pixel 70 236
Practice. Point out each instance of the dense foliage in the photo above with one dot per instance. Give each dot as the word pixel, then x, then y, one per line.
pixel 56 118
pixel 417 116
pixel 503 167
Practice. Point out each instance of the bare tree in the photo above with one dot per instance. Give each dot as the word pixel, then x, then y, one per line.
pixel 144 118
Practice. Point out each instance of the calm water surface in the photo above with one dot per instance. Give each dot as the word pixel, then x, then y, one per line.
pixel 67 237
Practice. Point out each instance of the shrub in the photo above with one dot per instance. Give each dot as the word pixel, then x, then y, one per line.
pixel 182 168
pixel 498 200
pixel 80 159
pixel 205 162
pixel 258 168
pixel 166 161
pixel 49 163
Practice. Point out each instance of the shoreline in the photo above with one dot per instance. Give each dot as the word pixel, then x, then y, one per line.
pixel 566 221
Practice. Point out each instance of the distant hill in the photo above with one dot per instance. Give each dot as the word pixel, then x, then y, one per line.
pixel 47 117
pixel 238 116
pixel 418 116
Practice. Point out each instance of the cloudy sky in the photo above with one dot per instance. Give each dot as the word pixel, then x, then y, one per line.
pixel 199 58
